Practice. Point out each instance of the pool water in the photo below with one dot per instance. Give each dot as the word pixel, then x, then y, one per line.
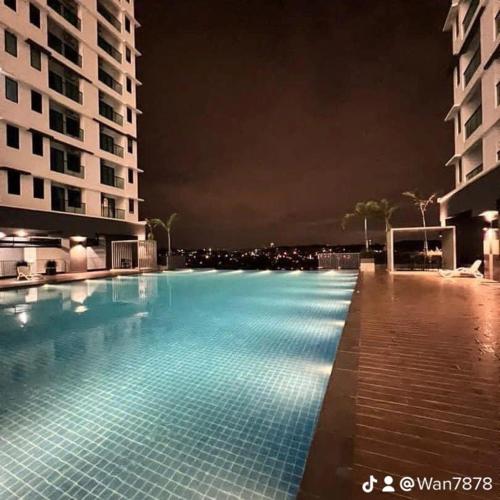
pixel 187 385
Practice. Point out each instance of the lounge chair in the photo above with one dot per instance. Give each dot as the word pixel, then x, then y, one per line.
pixel 24 273
pixel 463 272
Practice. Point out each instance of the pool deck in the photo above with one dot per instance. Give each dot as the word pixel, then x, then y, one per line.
pixel 415 389
pixel 13 283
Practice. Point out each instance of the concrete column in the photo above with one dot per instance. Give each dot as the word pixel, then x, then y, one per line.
pixel 78 254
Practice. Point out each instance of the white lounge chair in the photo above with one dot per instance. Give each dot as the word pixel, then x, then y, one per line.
pixel 24 273
pixel 463 272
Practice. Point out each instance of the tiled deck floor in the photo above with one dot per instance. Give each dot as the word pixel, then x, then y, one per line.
pixel 415 389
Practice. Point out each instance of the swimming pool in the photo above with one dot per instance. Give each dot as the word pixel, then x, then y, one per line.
pixel 186 385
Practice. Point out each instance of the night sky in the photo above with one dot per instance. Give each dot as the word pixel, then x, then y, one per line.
pixel 265 121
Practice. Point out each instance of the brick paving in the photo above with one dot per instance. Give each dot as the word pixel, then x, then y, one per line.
pixel 415 389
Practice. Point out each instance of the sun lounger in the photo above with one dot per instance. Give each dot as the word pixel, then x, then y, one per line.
pixel 24 273
pixel 463 272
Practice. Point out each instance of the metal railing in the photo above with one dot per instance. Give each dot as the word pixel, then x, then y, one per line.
pixel 333 260
pixel 470 14
pixel 472 66
pixel 65 87
pixel 108 145
pixel 475 171
pixel 66 50
pixel 63 206
pixel 474 122
pixel 108 80
pixel 115 181
pixel 61 123
pixel 108 112
pixel 109 49
pixel 70 15
pixel 64 169
pixel 8 268
pixel 109 16
pixel 112 213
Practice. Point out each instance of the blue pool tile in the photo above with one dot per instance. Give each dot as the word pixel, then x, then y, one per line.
pixel 189 386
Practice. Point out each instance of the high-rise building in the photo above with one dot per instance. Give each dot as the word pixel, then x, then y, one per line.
pixel 472 206
pixel 68 131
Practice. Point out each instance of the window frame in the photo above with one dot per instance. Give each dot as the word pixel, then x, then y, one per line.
pixel 12 129
pixel 13 38
pixel 39 188
pixel 14 87
pixel 14 182
pixel 35 15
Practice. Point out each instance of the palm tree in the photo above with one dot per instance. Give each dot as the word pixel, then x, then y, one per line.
pixel 150 225
pixel 386 212
pixel 166 225
pixel 363 210
pixel 422 203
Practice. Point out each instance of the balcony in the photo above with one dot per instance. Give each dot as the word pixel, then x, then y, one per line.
pixel 107 143
pixel 108 16
pixel 67 206
pixel 112 213
pixel 108 112
pixel 64 49
pixel 476 171
pixel 69 14
pixel 66 163
pixel 65 124
pixel 472 66
pixel 474 122
pixel 108 48
pixel 113 181
pixel 108 80
pixel 470 15
pixel 65 87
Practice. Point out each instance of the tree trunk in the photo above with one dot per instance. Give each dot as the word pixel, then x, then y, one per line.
pixel 426 243
pixel 367 246
pixel 169 244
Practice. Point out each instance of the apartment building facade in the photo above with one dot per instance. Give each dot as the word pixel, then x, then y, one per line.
pixel 68 130
pixel 472 206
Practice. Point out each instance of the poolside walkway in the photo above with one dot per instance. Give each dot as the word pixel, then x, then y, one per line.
pixel 13 283
pixel 415 390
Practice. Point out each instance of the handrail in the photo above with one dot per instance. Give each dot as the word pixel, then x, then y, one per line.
pixel 65 87
pixel 472 66
pixel 108 80
pixel 108 47
pixel 470 14
pixel 475 121
pixel 112 213
pixel 108 16
pixel 68 14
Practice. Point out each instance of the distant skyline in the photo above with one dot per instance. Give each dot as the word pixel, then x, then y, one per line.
pixel 267 120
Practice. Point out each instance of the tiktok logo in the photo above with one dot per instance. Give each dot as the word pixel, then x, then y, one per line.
pixel 369 485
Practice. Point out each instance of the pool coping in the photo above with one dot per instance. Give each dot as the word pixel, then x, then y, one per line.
pixel 328 471
pixel 14 284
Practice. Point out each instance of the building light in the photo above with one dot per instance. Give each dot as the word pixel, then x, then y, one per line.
pixel 2 235
pixel 489 215
pixel 21 233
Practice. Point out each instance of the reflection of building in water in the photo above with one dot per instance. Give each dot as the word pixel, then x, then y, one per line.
pixel 135 290
pixel 80 350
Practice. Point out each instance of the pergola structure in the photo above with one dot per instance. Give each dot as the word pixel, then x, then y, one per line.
pixel 445 233
pixel 134 254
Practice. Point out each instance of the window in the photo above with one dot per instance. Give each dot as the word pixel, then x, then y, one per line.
pixel 130 145
pixel 38 188
pixel 459 122
pixel 36 101
pixel 37 143
pixel 13 182
pixel 459 171
pixel 34 15
pixel 498 94
pixel 131 206
pixel 127 24
pixel 12 136
pixel 458 72
pixel 11 3
pixel 35 58
pixel 130 176
pixel 11 91
pixel 129 85
pixel 10 43
pixel 129 115
pixel 128 54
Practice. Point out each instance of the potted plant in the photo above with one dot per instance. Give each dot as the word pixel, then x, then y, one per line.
pixel 51 267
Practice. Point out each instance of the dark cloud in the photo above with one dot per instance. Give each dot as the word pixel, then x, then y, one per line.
pixel 267 120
